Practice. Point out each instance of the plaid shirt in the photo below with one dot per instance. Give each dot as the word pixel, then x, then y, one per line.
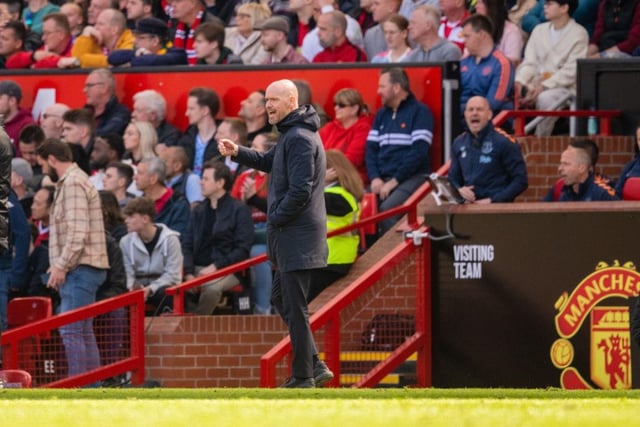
pixel 76 230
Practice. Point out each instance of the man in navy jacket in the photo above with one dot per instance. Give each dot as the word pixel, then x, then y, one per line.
pixel 486 163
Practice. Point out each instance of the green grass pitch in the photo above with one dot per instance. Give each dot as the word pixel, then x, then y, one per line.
pixel 317 407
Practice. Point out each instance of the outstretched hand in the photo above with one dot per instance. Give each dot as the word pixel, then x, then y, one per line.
pixel 227 147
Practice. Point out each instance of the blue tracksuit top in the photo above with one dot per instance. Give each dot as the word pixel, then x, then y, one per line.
pixel 398 143
pixel 492 77
pixel 591 190
pixel 492 162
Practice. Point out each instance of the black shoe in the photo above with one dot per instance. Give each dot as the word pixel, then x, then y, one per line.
pixel 293 382
pixel 321 374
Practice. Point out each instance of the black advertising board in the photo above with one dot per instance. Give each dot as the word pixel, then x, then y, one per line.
pixel 535 297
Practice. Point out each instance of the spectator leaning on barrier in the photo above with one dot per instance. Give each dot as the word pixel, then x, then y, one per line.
pixel 151 48
pixel 92 48
pixel 56 36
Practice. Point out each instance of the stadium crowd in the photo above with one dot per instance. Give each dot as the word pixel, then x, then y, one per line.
pixel 171 184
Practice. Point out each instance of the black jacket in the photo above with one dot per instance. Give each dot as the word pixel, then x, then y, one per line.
pixel 232 233
pixel 175 213
pixel 5 188
pixel 115 117
pixel 188 142
pixel 296 215
pixel 116 282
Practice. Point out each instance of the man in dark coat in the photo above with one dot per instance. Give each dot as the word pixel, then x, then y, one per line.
pixel 296 219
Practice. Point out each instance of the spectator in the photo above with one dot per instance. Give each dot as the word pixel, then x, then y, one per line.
pixel 15 117
pixel 580 183
pixel 107 149
pixel 78 128
pixel 350 129
pixel 139 9
pixel 151 253
pixel 202 106
pixel 301 21
pixel 342 194
pixel 423 30
pixel 140 140
pixel 113 222
pixel 10 12
pixel 617 30
pixel 151 47
pixel 235 130
pixel 395 31
pixel 92 48
pixel 487 165
pixel 332 28
pixel 209 45
pixel 548 72
pixel 150 106
pixel 397 152
pixel 631 169
pixel 585 14
pixel 254 114
pixel 362 14
pixel 244 39
pixel 274 41
pixel 31 137
pixel 188 15
pixel 96 7
pixel 51 120
pixel 21 177
pixel 12 36
pixel 39 257
pixel 408 6
pixel 77 251
pixel 251 187
pixel 109 113
pixel 35 11
pixel 172 208
pixel 311 45
pixel 518 10
pixel 506 34
pixel 305 97
pixel 486 71
pixel 179 178
pixel 76 18
pixel 117 178
pixel 220 233
pixel 374 40
pixel 454 14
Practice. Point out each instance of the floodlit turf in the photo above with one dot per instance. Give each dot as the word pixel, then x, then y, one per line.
pixel 341 408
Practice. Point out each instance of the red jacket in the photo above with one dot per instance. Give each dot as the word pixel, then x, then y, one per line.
pixel 346 52
pixel 352 141
pixel 23 59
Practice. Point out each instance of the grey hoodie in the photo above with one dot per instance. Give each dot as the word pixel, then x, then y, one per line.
pixel 164 266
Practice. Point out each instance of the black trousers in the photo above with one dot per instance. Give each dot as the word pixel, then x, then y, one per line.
pixel 289 297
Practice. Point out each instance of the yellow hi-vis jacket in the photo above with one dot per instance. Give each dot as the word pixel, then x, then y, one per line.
pixel 343 249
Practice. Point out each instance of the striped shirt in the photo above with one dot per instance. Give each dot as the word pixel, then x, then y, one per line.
pixel 76 229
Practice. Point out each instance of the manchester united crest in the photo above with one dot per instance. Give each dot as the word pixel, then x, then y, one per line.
pixel 610 341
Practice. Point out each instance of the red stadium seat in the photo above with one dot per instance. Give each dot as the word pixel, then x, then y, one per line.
pixel 22 311
pixel 631 189
pixel 368 208
pixel 15 378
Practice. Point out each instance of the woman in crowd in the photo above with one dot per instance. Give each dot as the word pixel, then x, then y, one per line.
pixel 244 39
pixel 506 34
pixel 251 187
pixel 348 132
pixel 342 194
pixel 396 35
pixel 631 169
pixel 140 140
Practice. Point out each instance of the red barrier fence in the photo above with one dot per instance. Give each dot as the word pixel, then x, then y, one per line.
pixel 119 330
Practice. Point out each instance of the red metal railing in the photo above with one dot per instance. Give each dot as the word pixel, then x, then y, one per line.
pixel 16 340
pixel 519 116
pixel 328 317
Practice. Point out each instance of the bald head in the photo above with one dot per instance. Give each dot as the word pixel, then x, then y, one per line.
pixel 281 98
pixel 477 113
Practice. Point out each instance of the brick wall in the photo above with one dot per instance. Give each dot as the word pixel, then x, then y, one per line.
pixel 225 351
pixel 543 156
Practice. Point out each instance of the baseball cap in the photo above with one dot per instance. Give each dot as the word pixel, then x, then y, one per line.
pixel 11 88
pixel 22 168
pixel 277 23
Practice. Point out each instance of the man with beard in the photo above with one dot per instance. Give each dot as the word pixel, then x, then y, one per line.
pixel 273 37
pixel 12 36
pixel 254 114
pixel 296 220
pixel 77 250
pixel 107 149
pixel 332 32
